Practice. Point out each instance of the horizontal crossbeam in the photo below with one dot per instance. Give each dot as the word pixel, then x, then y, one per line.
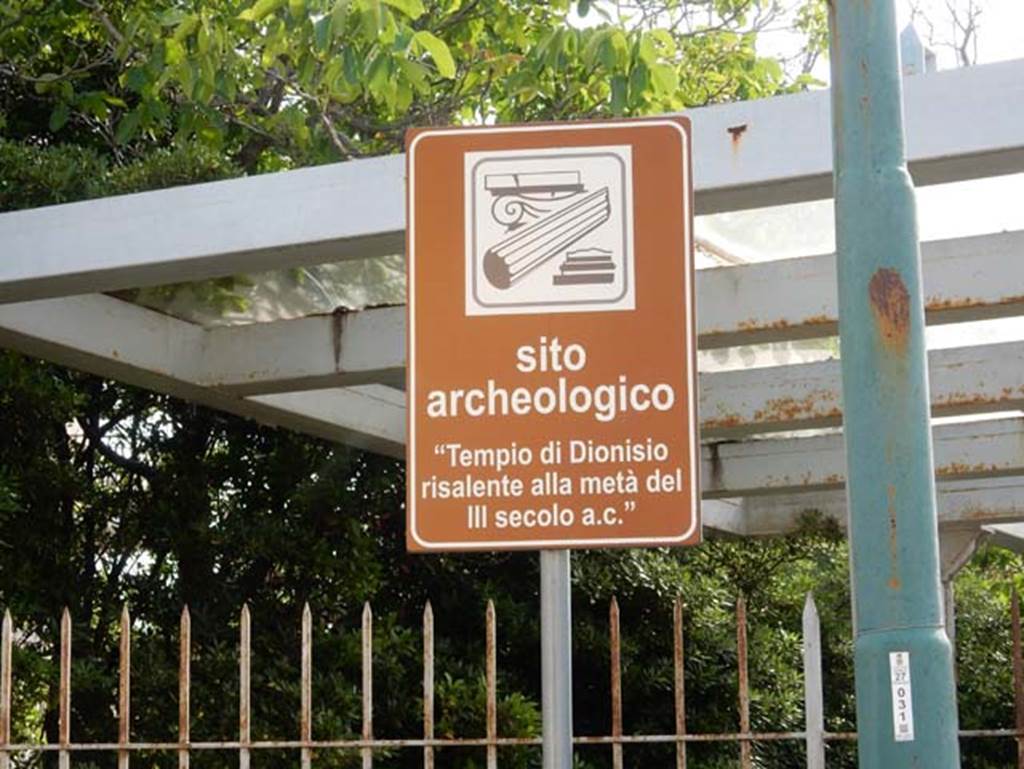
pixel 962 504
pixel 240 368
pixel 978 449
pixel 117 339
pixel 961 124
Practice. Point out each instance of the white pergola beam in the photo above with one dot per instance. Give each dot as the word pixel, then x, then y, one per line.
pixel 370 346
pixel 965 380
pixel 961 504
pixel 288 219
pixel 368 416
pixel 958 126
pixel 117 339
pixel 981 449
pixel 961 124
pixel 310 353
pixel 964 279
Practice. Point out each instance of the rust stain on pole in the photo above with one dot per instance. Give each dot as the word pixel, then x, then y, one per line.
pixel 894 541
pixel 492 687
pixel 615 645
pixel 680 681
pixel 890 305
pixel 64 717
pixel 367 638
pixel 244 667
pixel 428 684
pixel 5 688
pixel 184 686
pixel 125 688
pixel 306 704
pixel 744 682
pixel 1018 676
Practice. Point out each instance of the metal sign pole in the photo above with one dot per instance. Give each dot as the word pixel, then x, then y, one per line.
pixel 556 657
pixel 906 697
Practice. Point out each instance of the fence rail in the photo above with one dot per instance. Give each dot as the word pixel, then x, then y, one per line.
pixel 814 735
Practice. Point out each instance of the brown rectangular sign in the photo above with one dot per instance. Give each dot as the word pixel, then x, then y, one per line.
pixel 551 350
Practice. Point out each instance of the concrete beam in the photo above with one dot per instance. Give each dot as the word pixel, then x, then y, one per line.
pixel 961 124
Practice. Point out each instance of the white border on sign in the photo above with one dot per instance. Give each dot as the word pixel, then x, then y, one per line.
pixel 538 544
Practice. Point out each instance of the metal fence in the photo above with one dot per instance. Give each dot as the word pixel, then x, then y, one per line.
pixel 814 734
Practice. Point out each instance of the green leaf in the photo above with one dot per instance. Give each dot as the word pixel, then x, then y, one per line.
pixel 186 27
pixel 126 127
pixel 297 8
pixel 438 51
pixel 174 51
pixel 339 13
pixel 593 46
pixel 648 55
pixel 59 116
pixel 619 92
pixel 411 8
pixel 371 18
pixel 171 17
pixel 638 79
pixel 665 39
pixel 665 79
pixel 377 77
pixel 260 10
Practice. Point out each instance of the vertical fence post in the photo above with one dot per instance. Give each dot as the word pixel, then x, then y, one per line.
pixel 491 653
pixel 680 681
pixel 1018 676
pixel 746 758
pixel 124 699
pixel 367 638
pixel 615 665
pixel 184 687
pixel 814 695
pixel 64 715
pixel 306 695
pixel 900 640
pixel 428 684
pixel 5 688
pixel 244 704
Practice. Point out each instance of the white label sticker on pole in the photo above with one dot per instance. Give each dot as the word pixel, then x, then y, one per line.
pixel 902 701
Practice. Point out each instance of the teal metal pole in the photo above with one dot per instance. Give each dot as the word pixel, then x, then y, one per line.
pixel 906 697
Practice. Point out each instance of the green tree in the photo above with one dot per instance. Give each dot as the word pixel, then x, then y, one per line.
pixel 278 83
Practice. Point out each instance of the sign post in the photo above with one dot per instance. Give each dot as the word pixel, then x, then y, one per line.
pixel 551 352
pixel 906 694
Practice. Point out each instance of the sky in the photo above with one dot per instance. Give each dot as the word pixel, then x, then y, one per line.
pixel 1000 31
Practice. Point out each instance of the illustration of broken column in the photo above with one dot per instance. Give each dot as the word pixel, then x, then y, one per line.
pixel 513 258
